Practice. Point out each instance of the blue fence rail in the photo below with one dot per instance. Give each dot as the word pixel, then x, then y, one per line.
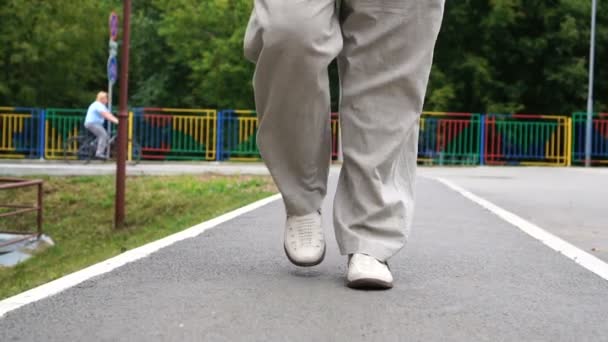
pixel 599 138
pixel 21 132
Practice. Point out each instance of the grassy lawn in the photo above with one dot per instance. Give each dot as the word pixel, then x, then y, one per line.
pixel 79 213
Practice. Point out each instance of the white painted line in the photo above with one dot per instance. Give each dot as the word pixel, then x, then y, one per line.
pixel 595 171
pixel 70 280
pixel 579 256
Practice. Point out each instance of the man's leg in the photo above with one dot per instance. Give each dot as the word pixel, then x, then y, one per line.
pixel 102 138
pixel 292 43
pixel 384 70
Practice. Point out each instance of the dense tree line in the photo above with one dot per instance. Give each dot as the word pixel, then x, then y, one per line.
pixel 492 55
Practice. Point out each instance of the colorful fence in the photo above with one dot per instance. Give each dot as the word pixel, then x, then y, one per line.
pixel 599 138
pixel 237 131
pixel 519 139
pixel 449 139
pixel 335 136
pixel 204 134
pixel 21 132
pixel 61 124
pixel 175 134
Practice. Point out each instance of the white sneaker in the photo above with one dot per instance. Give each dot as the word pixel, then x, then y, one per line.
pixel 304 239
pixel 366 272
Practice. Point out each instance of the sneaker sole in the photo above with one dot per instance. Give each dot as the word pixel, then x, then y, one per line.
pixel 306 264
pixel 369 284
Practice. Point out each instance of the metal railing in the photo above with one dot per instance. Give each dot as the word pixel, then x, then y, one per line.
pixel 230 135
pixel 599 138
pixel 20 132
pixel 17 209
pixel 522 139
pixel 450 139
pixel 236 139
pixel 176 134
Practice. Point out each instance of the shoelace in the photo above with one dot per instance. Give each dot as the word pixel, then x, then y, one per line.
pixel 302 227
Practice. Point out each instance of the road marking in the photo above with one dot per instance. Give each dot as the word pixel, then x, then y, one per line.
pixel 594 171
pixel 579 256
pixel 73 279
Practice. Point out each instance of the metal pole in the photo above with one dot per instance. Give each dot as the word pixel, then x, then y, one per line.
pixel 109 125
pixel 110 96
pixel 123 119
pixel 589 130
pixel 40 208
pixel 340 152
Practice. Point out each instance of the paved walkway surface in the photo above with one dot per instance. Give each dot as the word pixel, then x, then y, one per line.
pixel 466 275
pixel 24 168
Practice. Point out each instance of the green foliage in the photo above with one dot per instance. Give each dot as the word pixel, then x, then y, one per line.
pixel 206 38
pixel 52 52
pixel 492 55
pixel 515 55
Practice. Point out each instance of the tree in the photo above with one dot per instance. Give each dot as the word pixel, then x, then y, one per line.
pixel 511 55
pixel 491 55
pixel 207 38
pixel 52 51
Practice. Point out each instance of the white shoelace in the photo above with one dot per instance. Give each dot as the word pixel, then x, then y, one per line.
pixel 303 228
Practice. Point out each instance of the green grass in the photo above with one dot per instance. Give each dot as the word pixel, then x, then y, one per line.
pixel 79 212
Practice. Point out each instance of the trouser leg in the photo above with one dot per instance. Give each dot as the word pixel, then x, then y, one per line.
pixel 102 138
pixel 384 70
pixel 292 44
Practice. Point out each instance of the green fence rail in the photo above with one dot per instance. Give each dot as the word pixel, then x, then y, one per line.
pixel 449 139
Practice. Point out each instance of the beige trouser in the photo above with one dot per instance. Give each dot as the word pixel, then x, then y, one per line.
pixel 385 51
pixel 102 137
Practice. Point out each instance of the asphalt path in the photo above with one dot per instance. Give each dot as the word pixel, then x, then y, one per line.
pixel 465 275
